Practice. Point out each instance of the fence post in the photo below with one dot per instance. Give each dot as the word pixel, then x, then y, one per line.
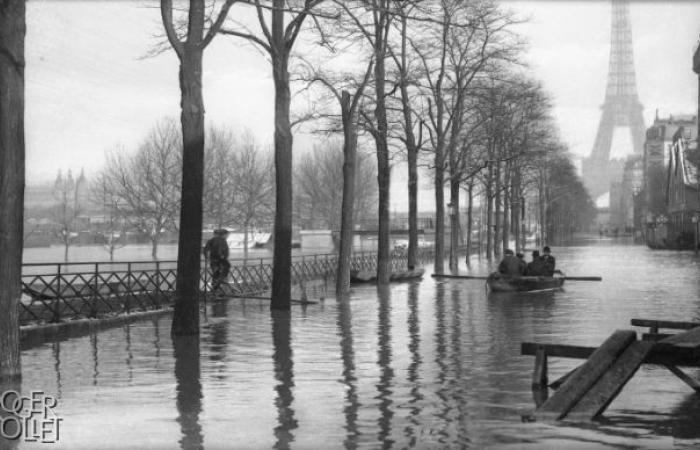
pixel 93 302
pixel 128 288
pixel 157 281
pixel 57 311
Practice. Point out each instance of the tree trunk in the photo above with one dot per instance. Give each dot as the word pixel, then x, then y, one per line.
pixel 186 313
pixel 489 213
pixel 65 250
pixel 383 167
pixel 497 211
pixel 505 231
pixel 470 220
pixel 282 255
pixel 342 280
pixel 411 153
pixel 154 247
pixel 12 32
pixel 454 223
pixel 439 264
pixel 245 240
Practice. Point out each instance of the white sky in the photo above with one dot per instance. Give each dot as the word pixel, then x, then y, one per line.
pixel 88 88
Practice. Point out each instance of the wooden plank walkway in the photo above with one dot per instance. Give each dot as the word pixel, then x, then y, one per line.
pixel 586 391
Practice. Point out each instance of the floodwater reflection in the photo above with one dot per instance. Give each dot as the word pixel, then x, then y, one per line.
pixel 429 364
pixel 347 354
pixel 284 375
pixel 189 390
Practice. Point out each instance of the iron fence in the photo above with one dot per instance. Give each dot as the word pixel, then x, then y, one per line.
pixel 54 292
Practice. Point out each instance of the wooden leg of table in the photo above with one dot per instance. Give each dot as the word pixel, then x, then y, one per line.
pixel 539 376
pixel 692 382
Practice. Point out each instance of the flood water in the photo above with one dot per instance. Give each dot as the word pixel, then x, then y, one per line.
pixel 427 364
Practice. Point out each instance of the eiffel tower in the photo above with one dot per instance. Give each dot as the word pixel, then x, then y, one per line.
pixel 620 108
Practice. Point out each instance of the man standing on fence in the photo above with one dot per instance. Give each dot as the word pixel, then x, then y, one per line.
pixel 216 251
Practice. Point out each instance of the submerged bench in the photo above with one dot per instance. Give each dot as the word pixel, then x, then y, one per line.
pixel 586 391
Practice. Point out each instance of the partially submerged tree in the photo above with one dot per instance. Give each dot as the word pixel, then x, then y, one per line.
pixel 277 41
pixel 189 49
pixel 12 32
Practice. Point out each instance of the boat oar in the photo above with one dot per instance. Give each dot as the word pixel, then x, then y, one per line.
pixel 465 277
pixel 583 278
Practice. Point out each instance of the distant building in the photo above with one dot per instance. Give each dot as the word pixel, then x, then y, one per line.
pixel 670 175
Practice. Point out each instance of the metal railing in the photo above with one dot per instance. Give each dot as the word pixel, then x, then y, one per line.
pixel 55 292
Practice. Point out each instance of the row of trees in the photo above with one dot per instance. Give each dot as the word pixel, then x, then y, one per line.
pixel 139 189
pixel 436 80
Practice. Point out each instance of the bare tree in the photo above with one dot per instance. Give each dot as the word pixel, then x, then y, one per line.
pixel 12 32
pixel 146 184
pixel 69 205
pixel 190 50
pixel 454 49
pixel 320 185
pixel 112 228
pixel 219 180
pixel 372 20
pixel 277 40
pixel 253 178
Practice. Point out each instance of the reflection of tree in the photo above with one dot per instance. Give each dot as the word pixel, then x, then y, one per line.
pixel 384 360
pixel 219 335
pixel 56 350
pixel 189 390
pixel 440 359
pixel 347 354
pixel 95 362
pixel 458 391
pixel 416 360
pixel 284 374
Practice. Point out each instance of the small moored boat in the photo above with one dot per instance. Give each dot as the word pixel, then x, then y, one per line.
pixel 367 276
pixel 497 282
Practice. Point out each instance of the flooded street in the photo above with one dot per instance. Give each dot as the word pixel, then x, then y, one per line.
pixel 430 364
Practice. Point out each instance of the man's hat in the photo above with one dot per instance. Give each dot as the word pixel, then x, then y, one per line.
pixel 508 251
pixel 221 231
pixel 546 249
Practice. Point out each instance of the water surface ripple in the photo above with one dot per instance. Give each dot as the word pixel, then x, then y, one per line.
pixel 434 364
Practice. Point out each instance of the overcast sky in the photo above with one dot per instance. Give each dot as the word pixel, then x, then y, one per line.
pixel 88 87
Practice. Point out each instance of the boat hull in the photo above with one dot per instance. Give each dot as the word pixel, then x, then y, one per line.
pixel 498 283
pixel 366 276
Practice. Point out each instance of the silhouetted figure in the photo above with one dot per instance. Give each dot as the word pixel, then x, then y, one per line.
pixel 523 264
pixel 509 265
pixel 216 251
pixel 550 261
pixel 536 267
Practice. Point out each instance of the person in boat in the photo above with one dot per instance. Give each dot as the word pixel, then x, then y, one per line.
pixel 523 264
pixel 536 267
pixel 509 265
pixel 216 251
pixel 549 261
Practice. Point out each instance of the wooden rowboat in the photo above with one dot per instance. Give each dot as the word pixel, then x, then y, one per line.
pixel 496 282
pixel 366 276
